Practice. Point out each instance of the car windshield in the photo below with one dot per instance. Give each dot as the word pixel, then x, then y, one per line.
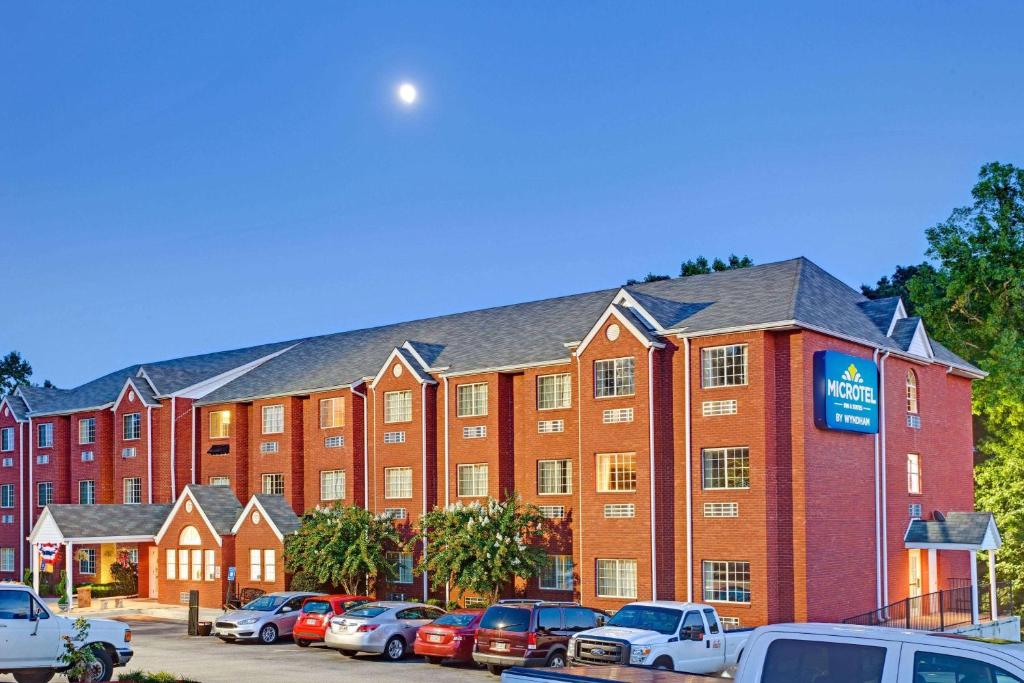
pixel 366 612
pixel 455 620
pixel 512 619
pixel 660 619
pixel 316 607
pixel 265 603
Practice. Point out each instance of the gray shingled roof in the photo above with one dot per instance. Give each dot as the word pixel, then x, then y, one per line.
pixel 91 521
pixel 144 391
pixel 903 331
pixel 219 504
pixel 280 512
pixel 959 528
pixel 881 311
pixel 18 407
pixel 173 375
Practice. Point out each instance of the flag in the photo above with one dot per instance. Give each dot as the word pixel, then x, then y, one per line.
pixel 47 556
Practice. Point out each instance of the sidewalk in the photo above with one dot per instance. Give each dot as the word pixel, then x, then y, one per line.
pixel 127 608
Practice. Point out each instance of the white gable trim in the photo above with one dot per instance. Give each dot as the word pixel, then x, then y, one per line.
pixel 130 382
pixel 627 299
pixel 45 530
pixel 415 354
pixel 919 344
pixel 417 372
pixel 255 503
pixel 612 311
pixel 211 384
pixel 899 314
pixel 186 494
pixel 6 402
pixel 21 395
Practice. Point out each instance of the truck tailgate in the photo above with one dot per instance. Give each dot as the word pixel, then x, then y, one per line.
pixel 589 674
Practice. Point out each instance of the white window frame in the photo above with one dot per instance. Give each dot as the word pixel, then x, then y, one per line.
pixel 731 475
pixel 273 477
pixel 619 575
pixel 269 565
pixel 41 500
pixel 471 399
pixel 332 490
pixel 733 572
pixel 397 406
pixel 471 480
pixel 556 397
pixel 171 564
pixel 557 574
pixel 220 481
pixel 403 565
pixel 256 565
pixel 136 490
pixel 209 565
pixel 131 424
pixel 88 425
pixel 561 483
pixel 44 435
pixel 714 377
pixel 609 482
pixel 913 473
pixel 90 486
pixel 334 409
pixel 913 395
pixel 196 565
pixel 7 496
pixel 220 424
pixel 86 564
pixel 7 439
pixel 623 377
pixel 6 559
pixel 396 488
pixel 273 419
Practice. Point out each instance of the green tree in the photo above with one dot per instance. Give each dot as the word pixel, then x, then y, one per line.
pixel 700 265
pixel 342 545
pixel 80 661
pixel 650 277
pixel 14 372
pixel 898 284
pixel 482 547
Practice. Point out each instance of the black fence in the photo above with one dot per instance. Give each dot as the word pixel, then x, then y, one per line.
pixel 941 610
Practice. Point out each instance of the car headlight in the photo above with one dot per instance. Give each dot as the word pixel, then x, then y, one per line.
pixel 246 622
pixel 572 646
pixel 638 654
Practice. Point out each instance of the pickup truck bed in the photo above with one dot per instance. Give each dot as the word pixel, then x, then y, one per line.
pixel 589 674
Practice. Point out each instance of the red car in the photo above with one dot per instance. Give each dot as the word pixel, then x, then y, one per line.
pixel 316 616
pixel 449 637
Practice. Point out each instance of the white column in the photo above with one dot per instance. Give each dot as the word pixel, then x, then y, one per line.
pixel 933 570
pixel 68 562
pixel 974 588
pixel 992 583
pixel 35 568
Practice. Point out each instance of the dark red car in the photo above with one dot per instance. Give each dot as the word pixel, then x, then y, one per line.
pixel 449 637
pixel 316 616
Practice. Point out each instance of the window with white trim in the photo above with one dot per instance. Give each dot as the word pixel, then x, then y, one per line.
pixel 477 432
pixel 129 452
pixel 398 482
pixel 6 496
pixel 269 564
pixel 396 513
pixel 723 366
pixel 44 493
pixel 220 481
pixel 556 575
pixel 472 480
pixel 471 601
pixel 183 565
pixel 616 579
pixel 334 442
pixel 255 564
pixel 87 492
pixel 619 510
pixel 86 560
pixel 552 511
pixel 132 490
pixel 912 405
pixel 209 566
pixel 614 377
pixel 554 477
pixel 332 412
pixel 171 564
pixel 332 485
pixel 616 472
pixel 273 419
pixel 220 424
pixel 403 566
pixel 44 435
pixel 7 439
pixel 726 581
pixel 721 509
pixel 914 510
pixel 197 564
pixel 726 468
pixel 273 484
pixel 87 430
pixel 394 437
pixel 397 406
pixel 6 559
pixel 615 415
pixel 554 391
pixel 550 426
pixel 131 426
pixel 43 459
pixel 267 447
pixel 913 473
pixel 472 399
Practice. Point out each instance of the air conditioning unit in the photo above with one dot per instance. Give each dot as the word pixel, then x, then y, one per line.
pixel 128 452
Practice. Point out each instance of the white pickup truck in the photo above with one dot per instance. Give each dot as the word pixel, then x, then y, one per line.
pixel 31 638
pixel 675 636
pixel 828 653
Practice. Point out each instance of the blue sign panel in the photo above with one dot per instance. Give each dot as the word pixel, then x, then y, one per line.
pixel 231 573
pixel 845 392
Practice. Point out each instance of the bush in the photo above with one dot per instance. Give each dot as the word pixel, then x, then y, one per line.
pixel 105 590
pixel 434 602
pixel 304 581
pixel 158 677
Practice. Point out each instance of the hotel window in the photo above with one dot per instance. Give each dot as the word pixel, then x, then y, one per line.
pixel 183 565
pixel 554 391
pixel 273 419
pixel 334 442
pixel 403 566
pixel 220 424
pixel 6 495
pixel 332 485
pixel 616 579
pixel 397 406
pixel 132 426
pixel 556 575
pixel 726 581
pixel 913 473
pixel 726 468
pixel 554 477
pixel 255 564
pixel 616 472
pixel 44 435
pixel 44 493
pixel 87 431
pixel 220 481
pixel 132 490
pixel 613 377
pixel 472 481
pixel 273 484
pixel 398 482
pixel 724 366
pixel 86 560
pixel 269 565
pixel 209 565
pixel 6 559
pixel 171 564
pixel 912 392
pixel 472 400
pixel 197 564
pixel 332 413
pixel 7 439
pixel 87 492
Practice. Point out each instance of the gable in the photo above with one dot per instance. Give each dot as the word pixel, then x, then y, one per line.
pixel 625 322
pixel 186 511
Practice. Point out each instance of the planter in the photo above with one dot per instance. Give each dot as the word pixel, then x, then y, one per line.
pixel 205 628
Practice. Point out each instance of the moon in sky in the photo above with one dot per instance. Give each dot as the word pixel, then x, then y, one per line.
pixel 407 93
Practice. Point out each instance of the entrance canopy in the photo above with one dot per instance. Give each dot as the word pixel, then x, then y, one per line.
pixel 954 531
pixel 98 524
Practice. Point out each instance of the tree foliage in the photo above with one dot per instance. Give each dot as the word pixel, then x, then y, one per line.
pixel 482 547
pixel 650 277
pixel 898 284
pixel 14 372
pixel 342 545
pixel 700 265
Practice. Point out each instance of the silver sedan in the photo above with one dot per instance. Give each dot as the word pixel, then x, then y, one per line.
pixel 265 619
pixel 386 628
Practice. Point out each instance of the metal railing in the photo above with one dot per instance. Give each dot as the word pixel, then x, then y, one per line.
pixel 936 611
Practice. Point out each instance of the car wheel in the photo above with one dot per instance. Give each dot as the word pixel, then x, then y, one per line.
pixel 394 649
pixel 348 653
pixel 495 669
pixel 38 676
pixel 663 664
pixel 556 660
pixel 302 642
pixel 268 634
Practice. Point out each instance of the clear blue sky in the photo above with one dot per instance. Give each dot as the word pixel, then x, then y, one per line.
pixel 183 177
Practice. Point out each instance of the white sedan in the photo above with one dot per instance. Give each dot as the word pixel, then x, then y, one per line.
pixel 387 628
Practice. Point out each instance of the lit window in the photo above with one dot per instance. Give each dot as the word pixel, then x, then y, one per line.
pixel 273 484
pixel 554 477
pixel 403 566
pixel 472 400
pixel 7 439
pixel 616 472
pixel 87 492
pixel 613 377
pixel 911 392
pixel 332 413
pixel 255 564
pixel 556 575
pixel 726 581
pixel 131 426
pixel 197 565
pixel 6 559
pixel 44 435
pixel 913 473
pixel 398 482
pixel 616 579
pixel 472 481
pixel 44 493
pixel 397 406
pixel 87 430
pixel 332 485
pixel 554 391
pixel 132 490
pixel 724 366
pixel 726 468
pixel 269 565
pixel 220 481
pixel 183 565
pixel 189 536
pixel 6 495
pixel 86 560
pixel 171 565
pixel 220 424
pixel 273 419
pixel 209 565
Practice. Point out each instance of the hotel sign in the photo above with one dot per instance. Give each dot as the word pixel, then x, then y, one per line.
pixel 845 392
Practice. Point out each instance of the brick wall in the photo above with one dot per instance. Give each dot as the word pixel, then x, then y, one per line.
pixel 211 593
pixel 255 534
pixel 13 533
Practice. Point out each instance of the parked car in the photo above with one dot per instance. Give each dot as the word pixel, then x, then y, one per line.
pixel 385 628
pixel 676 636
pixel 316 616
pixel 265 619
pixel 530 633
pixel 33 638
pixel 450 636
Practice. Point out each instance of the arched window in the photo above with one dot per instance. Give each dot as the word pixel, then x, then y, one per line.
pixel 189 536
pixel 911 392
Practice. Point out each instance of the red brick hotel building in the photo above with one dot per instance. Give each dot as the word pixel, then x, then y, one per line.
pixel 676 433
